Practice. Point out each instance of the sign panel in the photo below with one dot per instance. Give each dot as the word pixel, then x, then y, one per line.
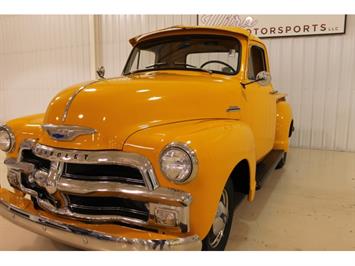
pixel 279 25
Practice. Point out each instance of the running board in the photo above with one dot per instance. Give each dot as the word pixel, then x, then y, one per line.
pixel 265 167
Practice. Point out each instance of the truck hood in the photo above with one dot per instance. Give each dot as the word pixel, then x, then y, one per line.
pixel 116 108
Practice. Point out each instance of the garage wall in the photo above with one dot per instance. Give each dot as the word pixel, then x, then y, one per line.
pixel 40 55
pixel 318 73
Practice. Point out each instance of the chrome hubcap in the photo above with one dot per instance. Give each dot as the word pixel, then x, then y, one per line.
pixel 220 221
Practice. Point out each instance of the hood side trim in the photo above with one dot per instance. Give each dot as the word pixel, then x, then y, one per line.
pixel 72 97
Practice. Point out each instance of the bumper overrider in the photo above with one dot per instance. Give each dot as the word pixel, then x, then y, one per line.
pixel 65 205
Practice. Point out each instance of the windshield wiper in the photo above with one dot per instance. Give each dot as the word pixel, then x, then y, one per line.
pixel 157 64
pixel 175 63
pixel 142 70
pixel 195 67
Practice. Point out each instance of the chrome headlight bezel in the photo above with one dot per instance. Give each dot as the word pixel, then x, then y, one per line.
pixel 184 147
pixel 11 136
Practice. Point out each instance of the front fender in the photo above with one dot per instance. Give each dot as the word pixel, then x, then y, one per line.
pixel 28 127
pixel 219 145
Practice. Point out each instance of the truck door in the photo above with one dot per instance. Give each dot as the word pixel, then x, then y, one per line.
pixel 260 102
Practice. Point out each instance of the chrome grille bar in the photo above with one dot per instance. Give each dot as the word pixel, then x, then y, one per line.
pixel 99 157
pixel 160 195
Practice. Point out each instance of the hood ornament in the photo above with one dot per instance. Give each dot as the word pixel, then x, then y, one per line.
pixel 66 133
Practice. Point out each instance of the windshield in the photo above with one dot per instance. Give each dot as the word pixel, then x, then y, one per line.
pixel 213 54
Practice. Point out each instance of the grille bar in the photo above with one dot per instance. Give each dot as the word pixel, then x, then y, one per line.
pixel 103 172
pixel 108 206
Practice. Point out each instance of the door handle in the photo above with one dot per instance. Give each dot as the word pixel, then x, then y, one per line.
pixel 273 92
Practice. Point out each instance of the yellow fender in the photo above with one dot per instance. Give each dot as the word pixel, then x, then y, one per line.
pixel 219 144
pixel 284 125
pixel 27 127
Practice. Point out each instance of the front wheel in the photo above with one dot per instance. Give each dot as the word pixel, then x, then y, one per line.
pixel 217 237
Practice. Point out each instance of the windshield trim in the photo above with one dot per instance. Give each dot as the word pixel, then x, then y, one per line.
pixel 127 73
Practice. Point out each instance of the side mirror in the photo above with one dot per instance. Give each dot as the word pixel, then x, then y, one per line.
pixel 263 78
pixel 101 72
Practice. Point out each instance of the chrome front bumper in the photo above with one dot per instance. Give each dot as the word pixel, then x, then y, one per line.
pixel 88 239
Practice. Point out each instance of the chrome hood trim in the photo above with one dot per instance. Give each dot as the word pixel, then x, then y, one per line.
pixel 72 97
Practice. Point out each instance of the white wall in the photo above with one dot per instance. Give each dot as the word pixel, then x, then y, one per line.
pixel 318 73
pixel 40 55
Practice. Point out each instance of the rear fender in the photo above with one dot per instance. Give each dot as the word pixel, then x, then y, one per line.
pixel 283 125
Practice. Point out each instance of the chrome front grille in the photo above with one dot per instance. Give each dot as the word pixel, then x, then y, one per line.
pixel 89 172
pixel 96 186
pixel 83 170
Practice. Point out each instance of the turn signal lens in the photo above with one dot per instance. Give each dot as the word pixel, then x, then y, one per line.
pixel 166 217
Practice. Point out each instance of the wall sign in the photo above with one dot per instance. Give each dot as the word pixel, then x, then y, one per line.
pixel 279 25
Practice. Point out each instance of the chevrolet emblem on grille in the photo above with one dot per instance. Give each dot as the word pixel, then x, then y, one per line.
pixel 66 133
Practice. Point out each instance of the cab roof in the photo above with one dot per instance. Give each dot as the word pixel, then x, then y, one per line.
pixel 180 28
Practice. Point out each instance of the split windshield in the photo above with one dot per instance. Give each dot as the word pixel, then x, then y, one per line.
pixel 213 54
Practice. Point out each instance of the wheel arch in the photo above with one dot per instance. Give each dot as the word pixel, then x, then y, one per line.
pixel 240 177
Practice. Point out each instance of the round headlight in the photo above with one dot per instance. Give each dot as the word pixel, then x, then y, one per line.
pixel 178 163
pixel 7 139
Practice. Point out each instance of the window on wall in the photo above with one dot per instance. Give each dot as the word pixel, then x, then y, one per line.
pixel 257 62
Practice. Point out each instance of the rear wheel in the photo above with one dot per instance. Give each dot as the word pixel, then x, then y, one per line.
pixel 217 237
pixel 282 162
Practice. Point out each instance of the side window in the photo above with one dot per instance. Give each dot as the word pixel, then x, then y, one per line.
pixel 256 62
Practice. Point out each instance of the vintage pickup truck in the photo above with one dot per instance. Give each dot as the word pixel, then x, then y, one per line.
pixel 153 159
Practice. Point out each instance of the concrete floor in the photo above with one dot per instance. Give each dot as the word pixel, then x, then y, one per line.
pixel 307 205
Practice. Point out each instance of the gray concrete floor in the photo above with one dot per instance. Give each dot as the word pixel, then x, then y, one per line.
pixel 307 205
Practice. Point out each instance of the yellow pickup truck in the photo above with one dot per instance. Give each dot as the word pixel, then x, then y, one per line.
pixel 153 159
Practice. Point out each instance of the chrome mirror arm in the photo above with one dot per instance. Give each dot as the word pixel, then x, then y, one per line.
pixel 244 84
